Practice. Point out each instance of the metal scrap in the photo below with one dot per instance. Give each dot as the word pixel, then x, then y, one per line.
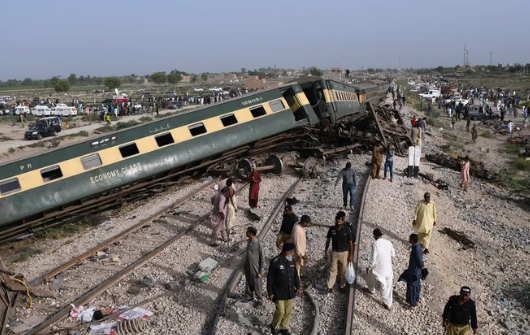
pixel 460 237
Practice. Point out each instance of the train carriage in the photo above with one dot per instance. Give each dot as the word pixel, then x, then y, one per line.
pixel 44 185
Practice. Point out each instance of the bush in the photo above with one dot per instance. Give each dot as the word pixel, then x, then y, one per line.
pixel 105 129
pixel 25 253
pixel 146 119
pixel 11 150
pixel 123 125
pixel 436 122
pixel 83 133
pixel 487 134
pixel 453 146
pixel 521 164
pixel 510 148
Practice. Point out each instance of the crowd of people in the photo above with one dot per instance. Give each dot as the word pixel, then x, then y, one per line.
pixel 285 274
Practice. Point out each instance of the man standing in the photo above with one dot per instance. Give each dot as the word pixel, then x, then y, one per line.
pixel 289 219
pixel 474 133
pixel 253 265
pixel 414 271
pixel 458 312
pixel 218 216
pixel 422 127
pixel 425 220
pixel 341 239
pixel 377 158
pixel 299 240
pixel 232 204
pixel 349 181
pixel 380 268
pixel 283 285
pixel 415 135
pixel 254 179
pixel 389 163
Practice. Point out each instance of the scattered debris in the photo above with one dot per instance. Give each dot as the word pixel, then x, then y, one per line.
pixel 460 237
pixel 453 162
pixel 208 265
pixel 130 326
pixel 253 216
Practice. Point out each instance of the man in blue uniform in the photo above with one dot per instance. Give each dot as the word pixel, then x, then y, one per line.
pixel 459 311
pixel 283 285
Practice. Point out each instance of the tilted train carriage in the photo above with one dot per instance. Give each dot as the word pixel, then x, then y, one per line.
pixel 82 177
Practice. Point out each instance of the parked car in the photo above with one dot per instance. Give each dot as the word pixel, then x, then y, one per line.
pixel 431 94
pixel 137 106
pixel 478 113
pixel 48 126
pixel 175 105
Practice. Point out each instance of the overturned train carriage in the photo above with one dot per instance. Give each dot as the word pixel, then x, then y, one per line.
pixel 85 177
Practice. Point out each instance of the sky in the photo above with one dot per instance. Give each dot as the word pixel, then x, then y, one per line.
pixel 41 39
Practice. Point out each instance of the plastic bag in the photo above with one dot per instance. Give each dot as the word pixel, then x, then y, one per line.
pixel 350 273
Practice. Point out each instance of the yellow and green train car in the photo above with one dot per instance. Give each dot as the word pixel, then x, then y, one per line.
pixel 36 187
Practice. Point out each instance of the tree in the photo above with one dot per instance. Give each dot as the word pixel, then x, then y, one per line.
pixel 112 82
pixel 440 69
pixel 204 76
pixel 347 73
pixel 27 82
pixel 53 81
pixel 159 77
pixel 174 78
pixel 72 79
pixel 61 85
pixel 315 72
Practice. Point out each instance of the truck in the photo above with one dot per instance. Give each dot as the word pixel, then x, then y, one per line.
pixel 431 94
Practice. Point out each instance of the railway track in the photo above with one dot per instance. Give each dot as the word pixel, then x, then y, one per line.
pixel 238 272
pixel 135 246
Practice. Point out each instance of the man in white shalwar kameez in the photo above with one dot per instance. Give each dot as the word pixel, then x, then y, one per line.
pixel 380 268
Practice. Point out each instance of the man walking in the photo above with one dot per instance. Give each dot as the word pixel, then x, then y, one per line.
pixel 283 285
pixel 349 181
pixel 458 312
pixel 218 216
pixel 377 158
pixel 253 265
pixel 286 229
pixel 474 133
pixel 414 271
pixel 341 239
pixel 389 163
pixel 300 244
pixel 425 220
pixel 380 268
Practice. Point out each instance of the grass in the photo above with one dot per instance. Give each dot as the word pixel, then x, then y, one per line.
pixel 11 150
pixel 123 125
pixel 40 144
pixel 453 146
pixel 4 138
pixel 70 228
pixel 487 134
pixel 104 129
pixel 25 253
pixel 146 119
pixel 510 148
pixel 521 164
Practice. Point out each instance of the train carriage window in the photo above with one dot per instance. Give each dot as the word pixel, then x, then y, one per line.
pixel 197 129
pixel 91 161
pixel 9 186
pixel 164 139
pixel 276 105
pixel 229 120
pixel 129 150
pixel 51 173
pixel 258 111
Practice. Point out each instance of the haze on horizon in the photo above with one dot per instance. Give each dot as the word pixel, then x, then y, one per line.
pixel 109 37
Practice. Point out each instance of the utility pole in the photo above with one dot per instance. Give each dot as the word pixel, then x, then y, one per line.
pixel 491 57
pixel 400 62
pixel 465 54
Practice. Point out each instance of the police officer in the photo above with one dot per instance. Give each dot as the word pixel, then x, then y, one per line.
pixel 459 311
pixel 283 285
pixel 288 222
pixel 341 239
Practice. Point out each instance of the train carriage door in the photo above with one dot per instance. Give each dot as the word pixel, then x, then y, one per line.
pixel 295 105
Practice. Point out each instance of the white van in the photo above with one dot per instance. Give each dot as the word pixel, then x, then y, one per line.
pixel 42 111
pixel 431 94
pixel 22 110
pixel 63 110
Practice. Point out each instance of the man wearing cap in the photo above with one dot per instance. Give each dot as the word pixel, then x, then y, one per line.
pixel 298 238
pixel 286 229
pixel 458 312
pixel 425 220
pixel 283 285
pixel 341 239
pixel 380 268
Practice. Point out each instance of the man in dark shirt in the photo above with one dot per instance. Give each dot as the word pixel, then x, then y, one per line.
pixel 283 285
pixel 458 312
pixel 341 240
pixel 347 175
pixel 288 222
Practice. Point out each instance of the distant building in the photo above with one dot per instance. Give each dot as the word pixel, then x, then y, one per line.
pixel 186 79
pixel 214 78
pixel 336 74
pixel 254 83
pixel 230 78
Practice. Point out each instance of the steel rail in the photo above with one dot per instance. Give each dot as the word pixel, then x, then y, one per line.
pixel 350 312
pixel 238 273
pixel 119 236
pixel 111 281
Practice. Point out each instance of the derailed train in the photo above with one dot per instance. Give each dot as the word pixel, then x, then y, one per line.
pixel 85 177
